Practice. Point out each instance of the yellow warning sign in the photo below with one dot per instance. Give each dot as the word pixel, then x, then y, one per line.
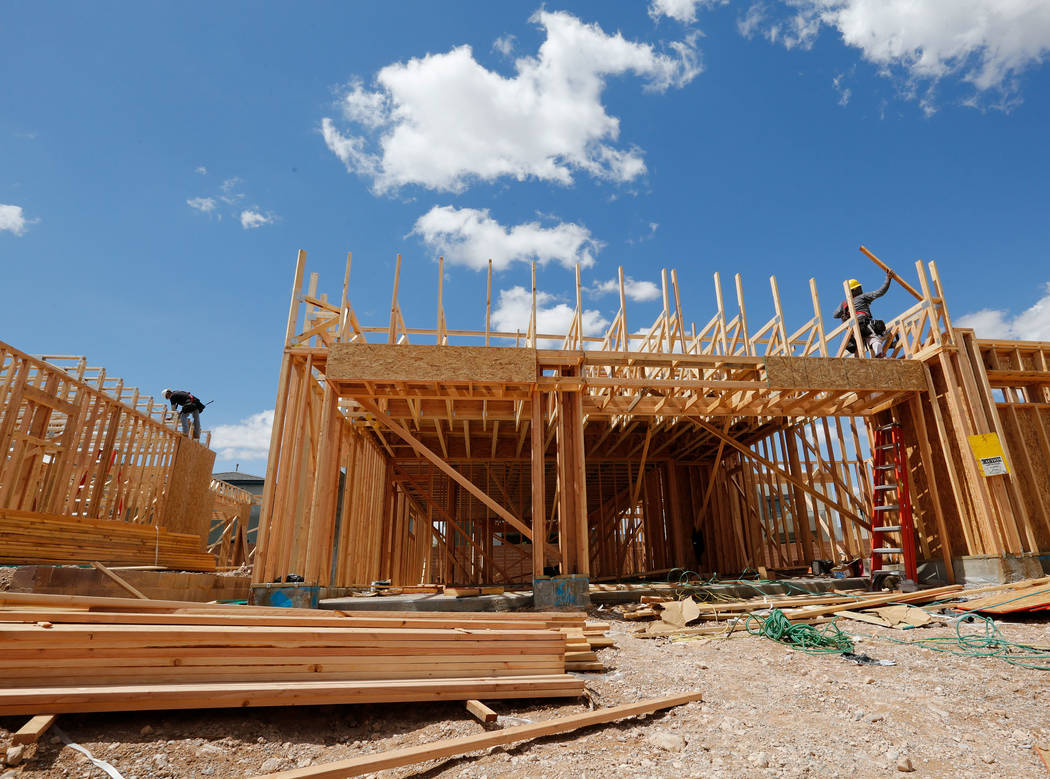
pixel 989 453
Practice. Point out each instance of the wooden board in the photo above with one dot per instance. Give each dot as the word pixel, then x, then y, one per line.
pixel 147 697
pixel 812 373
pixel 190 500
pixel 449 364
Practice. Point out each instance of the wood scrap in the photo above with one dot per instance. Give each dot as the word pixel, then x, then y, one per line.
pixel 1043 750
pixel 901 616
pixel 31 732
pixel 366 764
pixel 472 592
pixel 481 712
pixel 679 613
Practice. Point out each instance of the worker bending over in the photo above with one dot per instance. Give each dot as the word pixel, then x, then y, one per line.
pixel 871 330
pixel 191 407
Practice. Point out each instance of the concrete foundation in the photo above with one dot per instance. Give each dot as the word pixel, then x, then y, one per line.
pixel 986 569
pixel 561 592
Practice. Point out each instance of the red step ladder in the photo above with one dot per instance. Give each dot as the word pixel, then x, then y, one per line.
pixel 891 502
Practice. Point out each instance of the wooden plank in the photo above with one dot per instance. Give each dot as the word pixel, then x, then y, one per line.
pixel 216 695
pixel 457 746
pixel 31 732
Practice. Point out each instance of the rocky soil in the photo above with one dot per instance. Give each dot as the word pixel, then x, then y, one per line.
pixel 767 711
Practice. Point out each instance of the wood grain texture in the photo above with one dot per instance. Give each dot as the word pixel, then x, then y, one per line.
pixel 843 373
pixel 406 362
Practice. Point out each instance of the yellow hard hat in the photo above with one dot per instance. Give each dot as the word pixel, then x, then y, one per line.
pixel 853 284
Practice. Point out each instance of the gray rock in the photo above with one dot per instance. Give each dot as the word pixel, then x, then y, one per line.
pixel 670 742
pixel 759 760
pixel 210 751
pixel 270 765
pixel 904 765
pixel 15 754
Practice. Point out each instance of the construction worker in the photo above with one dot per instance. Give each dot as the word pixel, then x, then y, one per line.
pixel 869 328
pixel 191 407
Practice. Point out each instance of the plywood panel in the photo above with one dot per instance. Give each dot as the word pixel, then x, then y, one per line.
pixel 406 362
pixel 843 373
pixel 190 498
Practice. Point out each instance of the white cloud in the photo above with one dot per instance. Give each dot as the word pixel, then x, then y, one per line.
pixel 229 195
pixel 1032 324
pixel 752 20
pixel 13 219
pixel 443 120
pixel 680 10
pixel 249 439
pixel 203 204
pixel 252 219
pixel 200 169
pixel 514 309
pixel 843 91
pixel 469 236
pixel 635 290
pixel 986 43
pixel 504 45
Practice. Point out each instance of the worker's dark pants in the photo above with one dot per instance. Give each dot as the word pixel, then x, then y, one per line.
pixel 184 418
pixel 867 334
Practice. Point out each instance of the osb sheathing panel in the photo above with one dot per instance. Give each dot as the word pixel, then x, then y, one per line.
pixel 189 504
pixel 406 362
pixel 1024 434
pixel 843 373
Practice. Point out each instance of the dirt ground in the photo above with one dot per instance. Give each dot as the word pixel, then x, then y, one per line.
pixel 767 711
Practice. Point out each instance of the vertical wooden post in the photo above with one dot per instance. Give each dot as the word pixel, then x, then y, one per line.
pixel 488 303
pixel 266 512
pixel 321 521
pixel 818 318
pixel 392 334
pixel 537 433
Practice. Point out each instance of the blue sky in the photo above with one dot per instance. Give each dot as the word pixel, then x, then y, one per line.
pixel 161 165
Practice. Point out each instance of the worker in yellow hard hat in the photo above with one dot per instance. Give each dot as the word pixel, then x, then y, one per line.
pixel 871 330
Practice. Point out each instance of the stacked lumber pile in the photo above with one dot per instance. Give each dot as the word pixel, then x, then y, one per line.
pixel 29 537
pixel 71 654
pixel 583 638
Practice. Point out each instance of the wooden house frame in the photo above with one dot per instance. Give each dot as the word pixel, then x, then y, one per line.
pixel 469 456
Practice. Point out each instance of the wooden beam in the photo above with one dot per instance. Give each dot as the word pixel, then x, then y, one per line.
pixel 539 502
pixel 892 273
